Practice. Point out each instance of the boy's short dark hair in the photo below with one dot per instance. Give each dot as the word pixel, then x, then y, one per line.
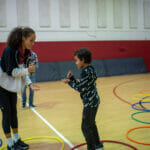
pixel 84 53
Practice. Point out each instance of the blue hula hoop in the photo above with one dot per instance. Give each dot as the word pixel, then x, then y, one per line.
pixel 1 142
pixel 133 106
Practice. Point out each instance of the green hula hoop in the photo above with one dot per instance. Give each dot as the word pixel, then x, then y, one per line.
pixel 132 116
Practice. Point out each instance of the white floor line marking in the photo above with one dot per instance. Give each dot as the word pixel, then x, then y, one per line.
pixel 47 123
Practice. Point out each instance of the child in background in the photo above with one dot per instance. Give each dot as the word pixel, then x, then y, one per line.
pixel 32 59
pixel 88 92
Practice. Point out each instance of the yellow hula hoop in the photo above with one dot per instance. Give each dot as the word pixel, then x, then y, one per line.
pixel 140 97
pixel 40 137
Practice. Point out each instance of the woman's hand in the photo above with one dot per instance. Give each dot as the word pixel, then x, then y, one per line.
pixel 34 87
pixel 65 80
pixel 31 68
pixel 69 75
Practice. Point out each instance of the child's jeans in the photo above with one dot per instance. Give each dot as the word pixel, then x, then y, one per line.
pixel 31 92
pixel 89 128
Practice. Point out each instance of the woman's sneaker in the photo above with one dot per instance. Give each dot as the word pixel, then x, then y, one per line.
pixel 10 148
pixel 20 144
pixel 32 106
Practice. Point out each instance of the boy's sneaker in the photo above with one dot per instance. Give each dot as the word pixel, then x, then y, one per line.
pixel 32 106
pixel 23 106
pixel 20 145
pixel 90 147
pixel 102 148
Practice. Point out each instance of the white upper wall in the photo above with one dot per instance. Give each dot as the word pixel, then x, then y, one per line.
pixel 77 20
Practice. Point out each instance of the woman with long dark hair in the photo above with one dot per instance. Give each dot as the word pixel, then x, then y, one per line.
pixel 13 77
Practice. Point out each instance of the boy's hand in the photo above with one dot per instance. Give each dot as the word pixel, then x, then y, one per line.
pixel 65 80
pixel 69 75
pixel 34 87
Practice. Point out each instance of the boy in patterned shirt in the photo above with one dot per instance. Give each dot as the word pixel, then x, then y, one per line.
pixel 88 92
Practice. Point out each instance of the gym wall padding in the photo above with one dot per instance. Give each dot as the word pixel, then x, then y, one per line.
pixel 53 71
pixel 124 66
pixel 47 71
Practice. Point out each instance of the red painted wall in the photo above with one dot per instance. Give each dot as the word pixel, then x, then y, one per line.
pixel 63 51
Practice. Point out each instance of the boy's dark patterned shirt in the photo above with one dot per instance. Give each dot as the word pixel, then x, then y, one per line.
pixel 87 87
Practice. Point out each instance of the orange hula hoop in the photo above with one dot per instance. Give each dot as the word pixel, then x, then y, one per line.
pixel 138 142
pixel 146 90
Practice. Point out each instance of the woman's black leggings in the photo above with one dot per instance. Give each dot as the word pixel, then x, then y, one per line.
pixel 8 106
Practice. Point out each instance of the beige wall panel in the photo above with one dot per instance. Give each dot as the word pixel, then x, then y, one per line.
pixel 83 13
pixel 22 12
pixel 101 13
pixel 146 6
pixel 117 12
pixel 3 13
pixel 64 11
pixel 44 13
pixel 133 13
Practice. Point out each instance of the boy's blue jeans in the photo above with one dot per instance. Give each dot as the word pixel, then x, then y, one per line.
pixel 31 92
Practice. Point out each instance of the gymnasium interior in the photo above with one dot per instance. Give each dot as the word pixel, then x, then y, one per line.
pixel 117 32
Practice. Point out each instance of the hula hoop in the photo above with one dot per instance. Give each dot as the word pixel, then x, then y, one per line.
pixel 41 137
pixel 109 141
pixel 132 116
pixel 140 103
pixel 138 142
pixel 1 142
pixel 143 91
pixel 133 106
pixel 138 97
